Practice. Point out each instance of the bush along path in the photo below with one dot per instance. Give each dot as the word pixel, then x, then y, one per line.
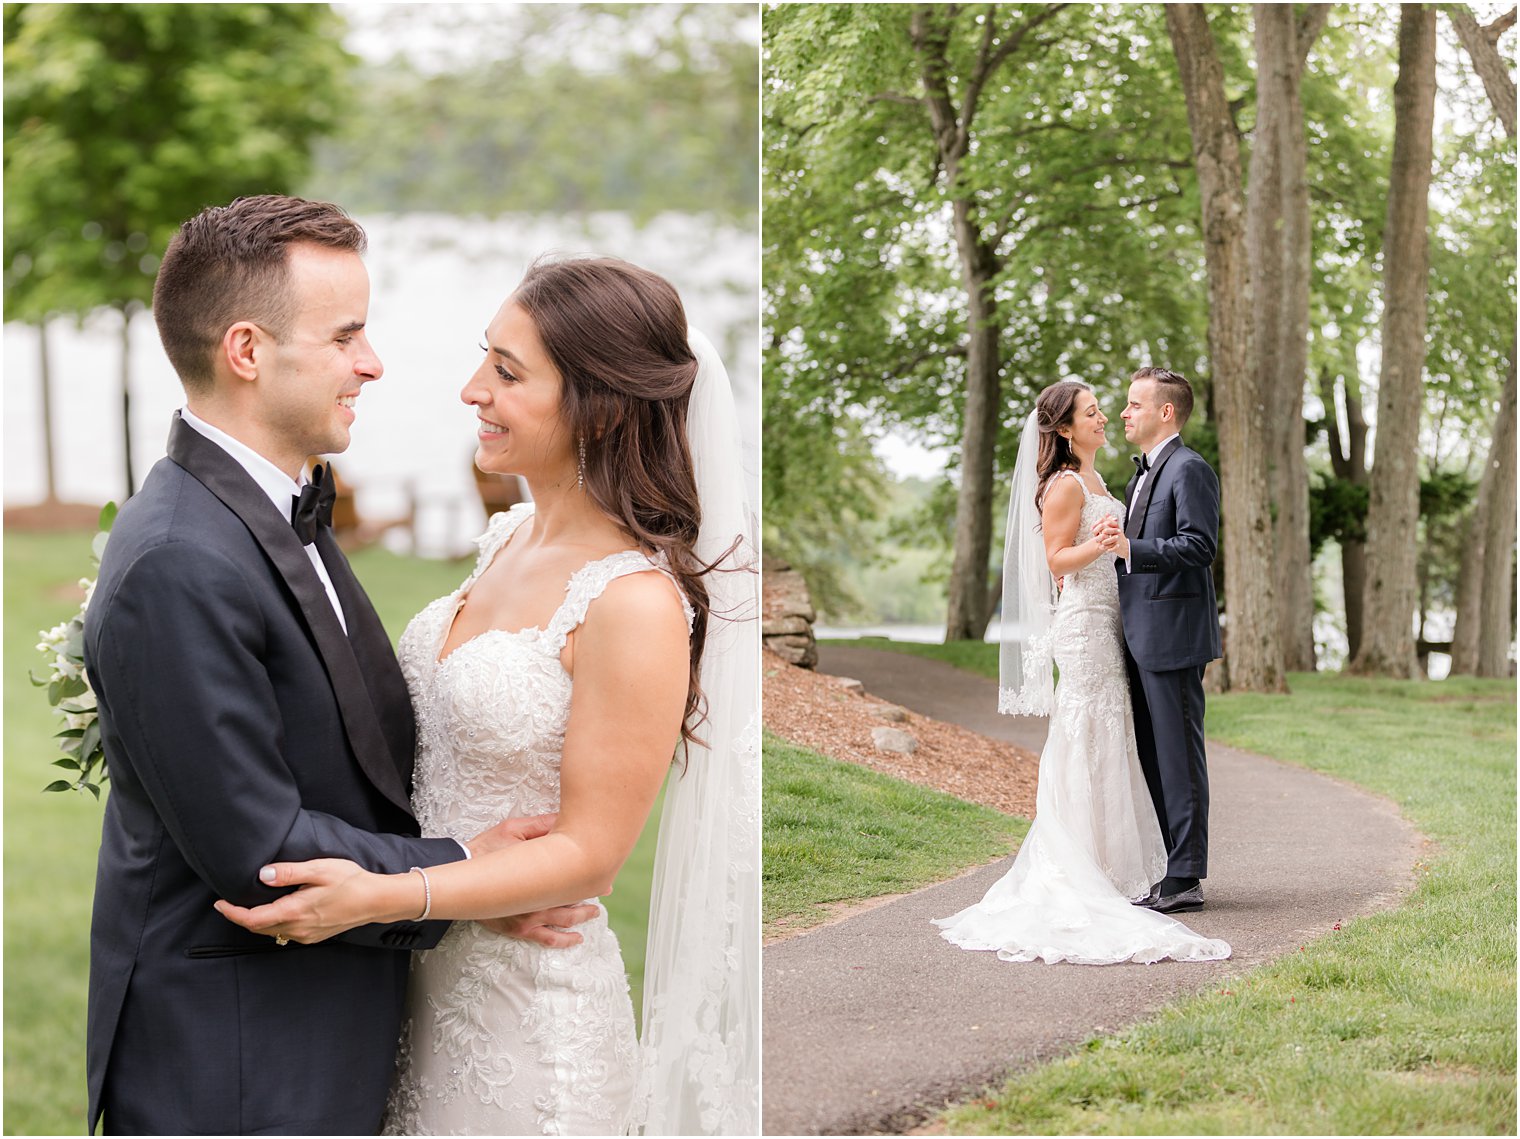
pixel 875 1023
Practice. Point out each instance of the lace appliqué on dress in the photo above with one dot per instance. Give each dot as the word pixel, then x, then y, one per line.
pixel 504 1036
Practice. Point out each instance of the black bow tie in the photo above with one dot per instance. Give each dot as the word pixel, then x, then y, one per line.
pixel 314 505
pixel 1142 463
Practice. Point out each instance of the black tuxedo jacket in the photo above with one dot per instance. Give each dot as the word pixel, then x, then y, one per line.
pixel 1166 600
pixel 241 726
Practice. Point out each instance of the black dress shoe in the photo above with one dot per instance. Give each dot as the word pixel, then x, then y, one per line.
pixel 1189 899
pixel 1149 901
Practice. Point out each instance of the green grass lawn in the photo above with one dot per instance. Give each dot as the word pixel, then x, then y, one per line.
pixel 51 840
pixel 837 832
pixel 1402 1022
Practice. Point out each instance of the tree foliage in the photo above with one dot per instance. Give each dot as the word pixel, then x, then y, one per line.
pixel 1082 175
pixel 122 120
pixel 641 108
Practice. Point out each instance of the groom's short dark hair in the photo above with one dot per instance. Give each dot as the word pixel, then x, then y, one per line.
pixel 229 263
pixel 1171 388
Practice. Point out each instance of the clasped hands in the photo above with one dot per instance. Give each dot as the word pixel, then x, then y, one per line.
pixel 1110 537
pixel 543 927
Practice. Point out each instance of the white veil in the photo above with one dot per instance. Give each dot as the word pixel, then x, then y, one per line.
pixel 1026 684
pixel 701 1036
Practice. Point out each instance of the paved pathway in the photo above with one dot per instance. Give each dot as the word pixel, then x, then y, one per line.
pixel 874 1022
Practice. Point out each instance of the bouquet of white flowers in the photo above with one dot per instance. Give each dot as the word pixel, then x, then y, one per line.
pixel 69 690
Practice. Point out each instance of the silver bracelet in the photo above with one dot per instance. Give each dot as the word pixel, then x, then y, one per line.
pixel 427 893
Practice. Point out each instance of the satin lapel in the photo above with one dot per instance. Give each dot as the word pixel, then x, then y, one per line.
pixel 1134 522
pixel 389 698
pixel 223 477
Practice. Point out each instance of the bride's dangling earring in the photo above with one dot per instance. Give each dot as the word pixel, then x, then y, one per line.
pixel 580 467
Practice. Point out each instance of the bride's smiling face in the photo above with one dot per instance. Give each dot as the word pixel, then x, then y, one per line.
pixel 516 396
pixel 1087 430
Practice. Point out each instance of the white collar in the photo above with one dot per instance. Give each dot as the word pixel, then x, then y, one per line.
pixel 1150 456
pixel 279 486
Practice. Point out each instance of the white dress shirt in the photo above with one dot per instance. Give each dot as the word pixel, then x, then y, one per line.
pixel 279 486
pixel 281 489
pixel 1150 457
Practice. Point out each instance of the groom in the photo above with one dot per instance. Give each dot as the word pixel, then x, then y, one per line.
pixel 1171 624
pixel 251 711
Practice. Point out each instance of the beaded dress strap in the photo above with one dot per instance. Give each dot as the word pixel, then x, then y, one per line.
pixel 587 584
pixel 1087 495
pixel 499 528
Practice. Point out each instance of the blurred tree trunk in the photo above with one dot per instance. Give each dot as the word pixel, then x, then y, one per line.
pixel 1485 600
pixel 1498 608
pixel 1278 229
pixel 1253 649
pixel 126 393
pixel 49 460
pixel 1388 605
pixel 1349 463
pixel 1482 44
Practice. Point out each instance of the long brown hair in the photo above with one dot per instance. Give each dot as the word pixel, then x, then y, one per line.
pixel 1055 408
pixel 617 334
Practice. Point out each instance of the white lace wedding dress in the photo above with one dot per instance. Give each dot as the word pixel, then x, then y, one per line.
pixel 1095 842
pixel 504 1037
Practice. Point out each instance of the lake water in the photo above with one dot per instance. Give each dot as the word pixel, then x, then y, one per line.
pixel 435 283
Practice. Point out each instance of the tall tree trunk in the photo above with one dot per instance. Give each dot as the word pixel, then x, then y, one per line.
pixel 45 366
pixel 1350 464
pixel 1253 648
pixel 1498 606
pixel 1387 647
pixel 1277 228
pixel 126 395
pixel 968 610
pixel 1485 606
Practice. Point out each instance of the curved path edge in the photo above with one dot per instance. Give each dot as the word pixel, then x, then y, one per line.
pixel 874 1022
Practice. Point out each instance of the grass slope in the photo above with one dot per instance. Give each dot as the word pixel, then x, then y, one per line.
pixel 51 840
pixel 837 832
pixel 1402 1022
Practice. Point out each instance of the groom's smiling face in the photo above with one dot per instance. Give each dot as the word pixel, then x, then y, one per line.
pixel 313 373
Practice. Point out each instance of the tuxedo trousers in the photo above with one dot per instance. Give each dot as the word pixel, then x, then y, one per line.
pixel 1169 736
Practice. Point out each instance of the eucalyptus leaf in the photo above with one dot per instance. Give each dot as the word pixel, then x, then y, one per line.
pixel 71 686
pixel 98 546
pixel 107 515
pixel 91 740
pixel 37 681
pixel 70 734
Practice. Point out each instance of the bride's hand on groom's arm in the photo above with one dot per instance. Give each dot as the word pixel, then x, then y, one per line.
pixel 334 895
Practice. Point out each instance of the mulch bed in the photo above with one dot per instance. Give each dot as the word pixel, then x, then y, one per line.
pixel 816 712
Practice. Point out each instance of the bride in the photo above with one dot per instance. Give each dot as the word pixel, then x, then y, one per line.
pixel 1095 844
pixel 608 625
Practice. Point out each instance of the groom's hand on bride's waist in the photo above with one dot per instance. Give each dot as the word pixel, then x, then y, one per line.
pixel 542 927
pixel 510 831
pixel 546 927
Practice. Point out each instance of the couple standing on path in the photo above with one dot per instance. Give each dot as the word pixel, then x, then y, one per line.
pixel 1120 836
